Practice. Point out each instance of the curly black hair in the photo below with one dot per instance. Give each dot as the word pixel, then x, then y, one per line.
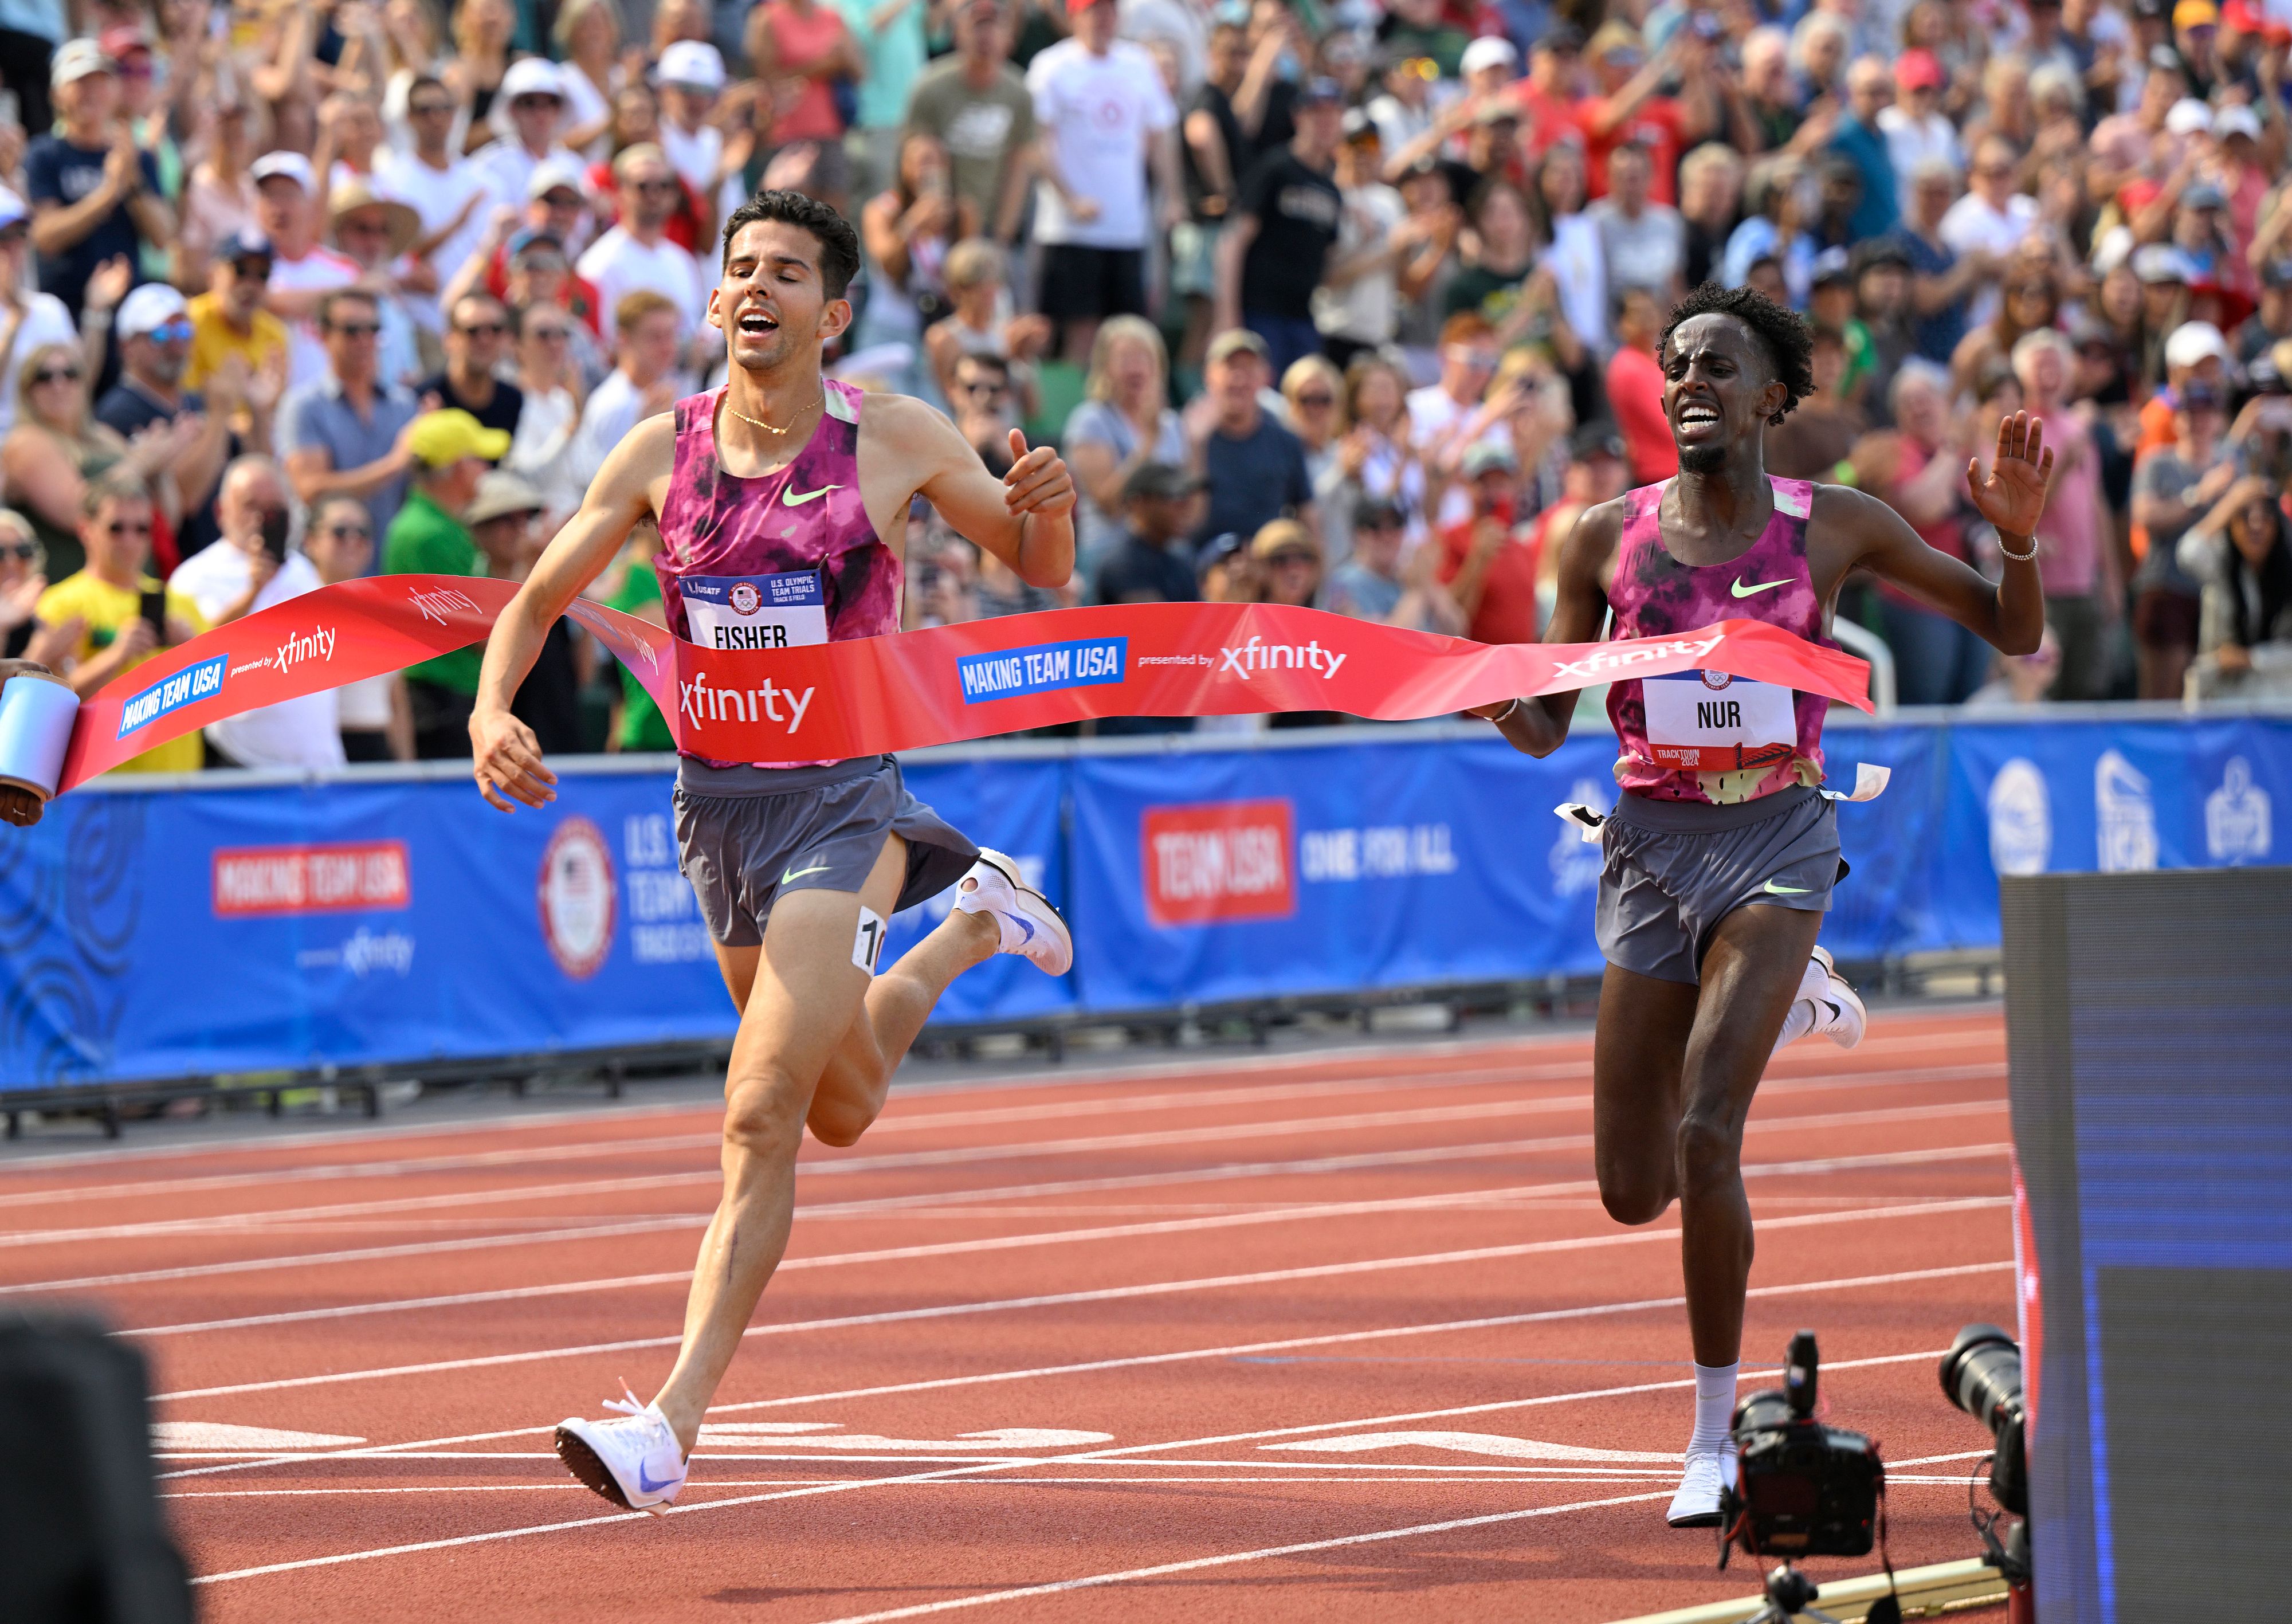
pixel 839 244
pixel 1784 334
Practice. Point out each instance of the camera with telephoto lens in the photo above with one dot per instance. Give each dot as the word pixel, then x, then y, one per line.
pixel 1982 1374
pixel 1802 1488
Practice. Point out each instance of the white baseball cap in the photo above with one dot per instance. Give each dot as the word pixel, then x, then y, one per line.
pixel 2191 342
pixel 75 58
pixel 552 173
pixel 693 62
pixel 2236 119
pixel 1487 52
pixel 2189 117
pixel 148 309
pixel 531 75
pixel 293 165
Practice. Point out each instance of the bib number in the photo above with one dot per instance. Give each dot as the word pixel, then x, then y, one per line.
pixel 755 612
pixel 1710 721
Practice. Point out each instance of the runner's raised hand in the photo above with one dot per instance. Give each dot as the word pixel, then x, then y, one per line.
pixel 2013 495
pixel 1038 481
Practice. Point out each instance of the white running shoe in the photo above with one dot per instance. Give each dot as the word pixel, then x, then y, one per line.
pixel 1697 1503
pixel 1838 1012
pixel 1029 926
pixel 633 1461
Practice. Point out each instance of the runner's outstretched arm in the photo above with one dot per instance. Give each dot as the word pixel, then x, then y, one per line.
pixel 1027 520
pixel 507 756
pixel 2011 615
pixel 1538 727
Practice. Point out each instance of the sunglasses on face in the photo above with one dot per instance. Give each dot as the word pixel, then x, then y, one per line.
pixel 548 336
pixel 983 387
pixel 539 262
pixel 534 104
pixel 430 109
pixel 11 236
pixel 482 329
pixel 350 533
pixel 176 330
pixel 253 269
pixel 23 551
pixel 55 375
pixel 1317 400
pixel 357 329
pixel 652 185
pixel 125 527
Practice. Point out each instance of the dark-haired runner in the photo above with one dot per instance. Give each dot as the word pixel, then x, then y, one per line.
pixel 1722 852
pixel 782 500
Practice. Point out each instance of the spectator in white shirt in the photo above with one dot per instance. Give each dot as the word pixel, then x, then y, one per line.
pixel 302 270
pixel 1105 115
pixel 643 384
pixel 1993 218
pixel 1915 127
pixel 378 724
pixel 442 187
pixel 692 77
pixel 636 256
pixel 250 569
pixel 536 110
pixel 551 380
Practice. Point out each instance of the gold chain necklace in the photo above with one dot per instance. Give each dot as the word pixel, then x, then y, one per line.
pixel 759 423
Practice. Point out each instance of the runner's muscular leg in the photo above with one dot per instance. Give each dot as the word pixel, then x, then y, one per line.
pixel 802 999
pixel 1637 1049
pixel 1750 975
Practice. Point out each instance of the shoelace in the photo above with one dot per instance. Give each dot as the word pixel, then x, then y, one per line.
pixel 627 1403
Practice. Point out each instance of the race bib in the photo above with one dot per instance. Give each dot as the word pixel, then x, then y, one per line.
pixel 755 612
pixel 1709 721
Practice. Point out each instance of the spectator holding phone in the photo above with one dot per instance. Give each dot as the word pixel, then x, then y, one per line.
pixel 124 616
pixel 250 569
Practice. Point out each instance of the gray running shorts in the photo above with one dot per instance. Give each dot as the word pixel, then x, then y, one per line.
pixel 1675 869
pixel 747 836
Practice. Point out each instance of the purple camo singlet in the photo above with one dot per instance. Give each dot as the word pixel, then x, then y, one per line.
pixel 1706 736
pixel 779 561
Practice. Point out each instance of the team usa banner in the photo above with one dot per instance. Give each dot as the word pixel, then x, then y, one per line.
pixel 832 701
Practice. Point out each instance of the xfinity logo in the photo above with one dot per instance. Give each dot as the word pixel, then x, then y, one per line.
pixel 1259 656
pixel 1592 665
pixel 701 703
pixel 437 605
pixel 299 648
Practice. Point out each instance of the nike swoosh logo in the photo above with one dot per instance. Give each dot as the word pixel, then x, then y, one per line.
pixel 1025 924
pixel 1741 591
pixel 645 1485
pixel 797 874
pixel 1788 891
pixel 793 500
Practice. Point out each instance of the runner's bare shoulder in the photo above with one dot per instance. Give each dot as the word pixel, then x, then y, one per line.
pixel 1588 553
pixel 636 472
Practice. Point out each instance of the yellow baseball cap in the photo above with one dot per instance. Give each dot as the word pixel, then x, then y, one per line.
pixel 448 436
pixel 2196 14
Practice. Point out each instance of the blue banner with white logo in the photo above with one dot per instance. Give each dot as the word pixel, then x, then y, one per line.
pixel 172 931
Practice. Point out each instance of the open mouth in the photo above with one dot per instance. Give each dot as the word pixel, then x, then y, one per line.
pixel 755 324
pixel 1696 417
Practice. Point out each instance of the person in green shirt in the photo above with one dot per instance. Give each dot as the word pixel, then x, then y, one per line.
pixel 642 726
pixel 451 451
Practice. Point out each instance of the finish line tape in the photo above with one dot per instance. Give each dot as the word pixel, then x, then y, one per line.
pixel 869 696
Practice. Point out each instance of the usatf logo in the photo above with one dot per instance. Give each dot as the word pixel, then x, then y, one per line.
pixel 1608 660
pixel 299 648
pixel 701 703
pixel 1042 667
pixel 443 601
pixel 1218 861
pixel 1257 655
pixel 194 682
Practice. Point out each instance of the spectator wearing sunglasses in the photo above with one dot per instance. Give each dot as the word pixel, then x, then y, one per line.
pixel 345 434
pixel 105 602
pixel 56 450
pixel 637 256
pixel 477 342
pixel 154 329
pixel 376 720
pixel 29 319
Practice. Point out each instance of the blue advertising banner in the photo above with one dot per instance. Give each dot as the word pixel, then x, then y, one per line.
pixel 194 928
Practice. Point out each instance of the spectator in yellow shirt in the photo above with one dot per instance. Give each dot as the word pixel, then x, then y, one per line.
pixel 101 608
pixel 229 321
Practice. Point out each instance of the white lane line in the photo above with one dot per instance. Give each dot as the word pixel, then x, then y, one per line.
pixel 906 1119
pixel 977 1470
pixel 1353 1162
pixel 1355 1122
pixel 1132 1362
pixel 1329 1270
pixel 1250 1217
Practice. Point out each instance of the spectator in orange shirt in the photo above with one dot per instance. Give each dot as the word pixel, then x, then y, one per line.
pixel 1635 389
pixel 1488 571
pixel 1628 109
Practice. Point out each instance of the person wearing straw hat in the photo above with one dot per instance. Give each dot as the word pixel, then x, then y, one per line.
pixel 373 233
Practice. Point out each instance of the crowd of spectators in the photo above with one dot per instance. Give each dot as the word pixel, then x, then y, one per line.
pixel 1346 303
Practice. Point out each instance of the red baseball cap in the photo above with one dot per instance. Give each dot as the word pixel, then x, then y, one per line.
pixel 1075 8
pixel 1919 71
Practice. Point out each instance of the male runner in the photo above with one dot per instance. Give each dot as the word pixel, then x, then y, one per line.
pixel 1720 853
pixel 782 499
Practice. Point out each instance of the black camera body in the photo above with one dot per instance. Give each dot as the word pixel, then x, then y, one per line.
pixel 1802 1488
pixel 1981 1375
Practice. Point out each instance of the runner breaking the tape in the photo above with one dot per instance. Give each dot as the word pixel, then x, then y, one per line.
pixel 782 499
pixel 1722 852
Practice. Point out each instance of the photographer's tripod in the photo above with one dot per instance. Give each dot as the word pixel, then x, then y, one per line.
pixel 1790 1594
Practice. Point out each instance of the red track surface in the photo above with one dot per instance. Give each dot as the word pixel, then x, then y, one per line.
pixel 1220 1279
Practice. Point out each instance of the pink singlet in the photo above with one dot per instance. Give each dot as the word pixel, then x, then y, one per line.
pixel 777 562
pixel 1706 736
